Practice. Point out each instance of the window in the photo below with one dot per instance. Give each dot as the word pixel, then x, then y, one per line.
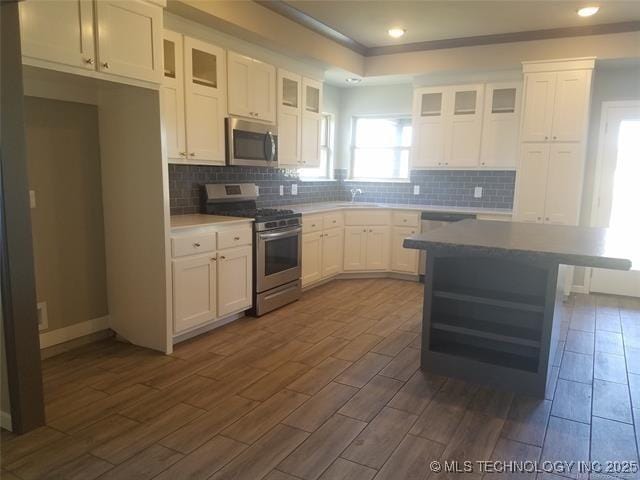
pixel 380 148
pixel 325 170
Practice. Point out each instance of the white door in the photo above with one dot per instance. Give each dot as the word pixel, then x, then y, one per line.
pixel 311 257
pixel 204 66
pixel 194 291
pixel 234 280
pixel 465 127
pixel 130 39
pixel 616 196
pixel 289 118
pixel 571 105
pixel 263 91
pixel 562 205
pixel 501 124
pixel 429 128
pixel 403 259
pixel 239 85
pixel 332 247
pixel 355 248
pixel 58 31
pixel 378 248
pixel 531 182
pixel 539 98
pixel 172 92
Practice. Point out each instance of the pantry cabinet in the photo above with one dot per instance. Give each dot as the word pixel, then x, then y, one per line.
pixel 116 38
pixel 289 118
pixel 194 291
pixel 252 88
pixel 193 100
pixel 500 125
pixel 235 280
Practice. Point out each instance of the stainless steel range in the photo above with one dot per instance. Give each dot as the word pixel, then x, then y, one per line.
pixel 277 244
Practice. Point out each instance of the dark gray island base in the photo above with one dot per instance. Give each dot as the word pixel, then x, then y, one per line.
pixel 493 294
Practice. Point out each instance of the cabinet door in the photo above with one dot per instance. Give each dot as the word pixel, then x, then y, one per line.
pixel 311 132
pixel 332 252
pixel 403 260
pixel 539 97
pixel 500 127
pixel 571 105
pixel 311 257
pixel 172 92
pixel 234 280
pixel 355 245
pixel 239 85
pixel 428 131
pixel 532 182
pixel 194 291
pixel 562 205
pixel 465 126
pixel 204 66
pixel 130 39
pixel 289 118
pixel 378 248
pixel 311 96
pixel 263 91
pixel 58 31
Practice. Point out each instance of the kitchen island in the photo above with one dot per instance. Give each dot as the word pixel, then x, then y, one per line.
pixel 493 297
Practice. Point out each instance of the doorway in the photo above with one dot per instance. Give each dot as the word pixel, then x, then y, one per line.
pixel 617 193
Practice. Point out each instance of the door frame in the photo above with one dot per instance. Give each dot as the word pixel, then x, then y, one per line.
pixel 597 176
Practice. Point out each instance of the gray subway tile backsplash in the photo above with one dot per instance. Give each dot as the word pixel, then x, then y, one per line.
pixel 452 188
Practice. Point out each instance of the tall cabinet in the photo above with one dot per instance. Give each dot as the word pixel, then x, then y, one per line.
pixel 552 141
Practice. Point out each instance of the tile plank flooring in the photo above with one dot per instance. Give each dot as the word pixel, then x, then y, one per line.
pixel 328 388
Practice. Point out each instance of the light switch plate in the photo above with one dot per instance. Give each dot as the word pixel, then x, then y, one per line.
pixel 416 189
pixel 477 192
pixel 32 198
pixel 257 191
pixel 281 190
pixel 294 189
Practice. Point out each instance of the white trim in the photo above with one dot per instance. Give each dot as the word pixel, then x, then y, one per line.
pixel 580 288
pixel 5 421
pixel 81 329
pixel 181 337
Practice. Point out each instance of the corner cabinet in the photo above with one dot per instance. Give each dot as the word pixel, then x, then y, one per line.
pixel 107 38
pixel 193 100
pixel 252 88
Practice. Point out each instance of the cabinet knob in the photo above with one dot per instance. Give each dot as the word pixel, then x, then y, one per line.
pixel 236 238
pixel 547 219
pixel 182 154
pixel 539 218
pixel 370 231
pixel 413 232
pixel 481 163
pixel 222 257
pixel 313 224
pixel 196 244
pixel 89 61
pixel 213 259
pixel 365 230
pixel 192 154
pixel 555 138
pixel 105 64
pixel 546 138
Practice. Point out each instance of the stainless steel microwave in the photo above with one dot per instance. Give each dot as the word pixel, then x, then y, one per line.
pixel 251 143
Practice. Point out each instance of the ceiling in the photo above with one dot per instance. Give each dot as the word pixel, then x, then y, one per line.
pixel 367 22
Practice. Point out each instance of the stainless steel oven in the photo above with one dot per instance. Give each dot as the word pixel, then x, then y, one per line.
pixel 251 143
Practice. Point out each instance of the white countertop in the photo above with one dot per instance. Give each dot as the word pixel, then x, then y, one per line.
pixel 328 206
pixel 202 220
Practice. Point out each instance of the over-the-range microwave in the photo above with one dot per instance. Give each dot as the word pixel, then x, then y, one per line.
pixel 251 143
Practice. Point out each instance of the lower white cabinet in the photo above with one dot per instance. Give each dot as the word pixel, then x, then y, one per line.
pixel 332 246
pixel 234 280
pixel 194 291
pixel 403 260
pixel 366 248
pixel 321 255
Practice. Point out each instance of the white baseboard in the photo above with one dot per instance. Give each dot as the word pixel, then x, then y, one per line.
pixel 5 421
pixel 181 337
pixel 71 332
pixel 579 289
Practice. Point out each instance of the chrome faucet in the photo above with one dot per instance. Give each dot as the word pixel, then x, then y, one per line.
pixel 354 192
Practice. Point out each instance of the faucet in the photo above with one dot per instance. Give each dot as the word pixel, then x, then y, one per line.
pixel 354 192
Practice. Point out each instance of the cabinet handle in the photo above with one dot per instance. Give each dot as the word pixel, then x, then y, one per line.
pixel 539 218
pixel 546 138
pixel 404 220
pixel 105 64
pixel 192 154
pixel 213 259
pixel 313 224
pixel 547 219
pixel 370 231
pixel 334 221
pixel 412 232
pixel 222 257
pixel 365 230
pixel 89 61
pixel 481 163
pixel 555 138
pixel 182 154
pixel 236 238
pixel 196 244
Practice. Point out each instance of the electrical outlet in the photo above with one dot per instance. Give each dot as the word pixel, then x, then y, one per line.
pixel 294 189
pixel 43 319
pixel 281 190
pixel 416 189
pixel 257 191
pixel 32 198
pixel 477 192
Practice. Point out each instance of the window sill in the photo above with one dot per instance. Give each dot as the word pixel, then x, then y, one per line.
pixel 375 180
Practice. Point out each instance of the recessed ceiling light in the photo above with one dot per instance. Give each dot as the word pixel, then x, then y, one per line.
pixel 353 80
pixel 396 32
pixel 588 11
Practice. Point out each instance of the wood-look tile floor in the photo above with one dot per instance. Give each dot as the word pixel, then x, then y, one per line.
pixel 327 388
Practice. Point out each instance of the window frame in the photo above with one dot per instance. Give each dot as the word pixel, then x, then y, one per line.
pixel 329 147
pixel 396 149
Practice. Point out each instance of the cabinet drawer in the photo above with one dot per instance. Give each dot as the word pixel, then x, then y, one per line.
pixel 234 238
pixel 311 223
pixel 367 217
pixel 181 246
pixel 405 219
pixel 333 220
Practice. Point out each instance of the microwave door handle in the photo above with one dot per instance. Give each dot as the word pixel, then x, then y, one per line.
pixel 271 154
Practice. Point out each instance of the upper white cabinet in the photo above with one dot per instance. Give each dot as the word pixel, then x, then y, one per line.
pixel 311 122
pixel 289 118
pixel 126 41
pixel 538 106
pixel 252 88
pixel 500 126
pixel 193 100
pixel 447 126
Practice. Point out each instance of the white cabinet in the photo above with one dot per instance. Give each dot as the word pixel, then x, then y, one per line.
pixel 234 280
pixel 366 248
pixel 403 260
pixel 332 246
pixel 428 127
pixel 355 248
pixel 537 115
pixel 252 88
pixel 194 291
pixel 311 123
pixel 378 248
pixel 289 118
pixel 311 257
pixel 532 182
pixel 193 100
pixel 500 125
pixel 126 42
pixel 462 147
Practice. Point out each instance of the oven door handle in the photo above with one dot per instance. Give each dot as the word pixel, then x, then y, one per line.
pixel 287 233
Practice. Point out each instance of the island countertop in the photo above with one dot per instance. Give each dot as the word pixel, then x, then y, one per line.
pixel 563 244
